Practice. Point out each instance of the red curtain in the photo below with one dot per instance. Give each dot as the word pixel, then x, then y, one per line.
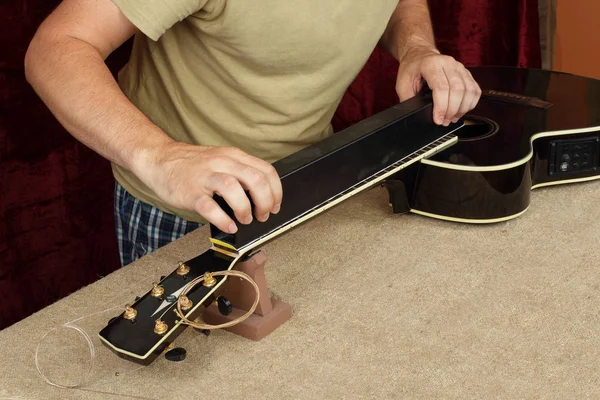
pixel 56 223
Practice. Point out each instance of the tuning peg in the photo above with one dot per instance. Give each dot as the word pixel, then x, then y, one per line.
pixel 157 291
pixel 183 269
pixel 130 313
pixel 160 327
pixel 224 305
pixel 176 354
pixel 209 280
pixel 185 303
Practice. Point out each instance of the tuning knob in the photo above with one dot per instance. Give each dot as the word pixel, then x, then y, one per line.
pixel 185 303
pixel 183 269
pixel 224 305
pixel 209 280
pixel 130 313
pixel 160 327
pixel 157 291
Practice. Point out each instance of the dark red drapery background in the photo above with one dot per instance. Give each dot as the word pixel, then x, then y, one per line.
pixel 56 224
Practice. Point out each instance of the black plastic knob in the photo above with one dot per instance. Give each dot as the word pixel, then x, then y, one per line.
pixel 176 354
pixel 224 305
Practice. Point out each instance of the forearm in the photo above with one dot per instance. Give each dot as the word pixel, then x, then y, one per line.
pixel 409 30
pixel 71 77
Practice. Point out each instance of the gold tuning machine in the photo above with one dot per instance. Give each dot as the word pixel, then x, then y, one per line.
pixel 209 280
pixel 183 269
pixel 157 291
pixel 130 312
pixel 185 303
pixel 160 327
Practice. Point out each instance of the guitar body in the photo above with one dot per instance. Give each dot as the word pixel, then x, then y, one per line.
pixel 531 128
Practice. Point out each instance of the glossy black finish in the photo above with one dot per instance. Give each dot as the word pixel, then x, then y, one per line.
pixel 473 195
pixel 557 102
pixel 319 173
pixel 224 305
pixel 176 354
pixel 137 336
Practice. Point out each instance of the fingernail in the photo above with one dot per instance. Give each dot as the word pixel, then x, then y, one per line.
pixel 276 208
pixel 264 217
pixel 248 219
pixel 232 228
pixel 446 122
pixel 455 120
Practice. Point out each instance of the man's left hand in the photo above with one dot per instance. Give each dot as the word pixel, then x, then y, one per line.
pixel 455 92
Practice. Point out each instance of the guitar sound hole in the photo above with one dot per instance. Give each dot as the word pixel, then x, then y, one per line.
pixel 476 128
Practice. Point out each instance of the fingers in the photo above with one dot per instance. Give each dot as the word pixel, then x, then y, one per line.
pixel 214 214
pixel 258 177
pixel 456 96
pixel 228 187
pixel 273 179
pixel 470 95
pixel 435 76
pixel 260 190
pixel 472 88
pixel 187 176
pixel 455 92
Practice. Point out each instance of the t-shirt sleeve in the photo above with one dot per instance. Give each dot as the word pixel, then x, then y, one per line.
pixel 154 17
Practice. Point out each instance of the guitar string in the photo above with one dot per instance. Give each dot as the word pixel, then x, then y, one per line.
pixel 236 321
pixel 184 320
pixel 431 146
pixel 88 339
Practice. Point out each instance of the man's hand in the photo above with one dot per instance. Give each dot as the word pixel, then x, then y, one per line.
pixel 455 92
pixel 408 37
pixel 187 176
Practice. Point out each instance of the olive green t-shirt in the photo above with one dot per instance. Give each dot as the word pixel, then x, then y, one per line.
pixel 262 75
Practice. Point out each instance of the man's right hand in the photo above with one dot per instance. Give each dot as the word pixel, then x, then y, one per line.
pixel 187 177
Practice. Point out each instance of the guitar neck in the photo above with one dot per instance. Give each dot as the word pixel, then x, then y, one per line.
pixel 341 166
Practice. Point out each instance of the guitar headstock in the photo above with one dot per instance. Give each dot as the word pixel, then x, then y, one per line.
pixel 147 326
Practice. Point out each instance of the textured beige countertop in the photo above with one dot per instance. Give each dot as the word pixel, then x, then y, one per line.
pixel 383 306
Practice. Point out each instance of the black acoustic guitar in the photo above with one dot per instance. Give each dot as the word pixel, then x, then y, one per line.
pixel 530 126
pixel 314 180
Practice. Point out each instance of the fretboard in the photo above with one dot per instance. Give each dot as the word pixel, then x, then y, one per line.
pixel 355 189
pixel 348 162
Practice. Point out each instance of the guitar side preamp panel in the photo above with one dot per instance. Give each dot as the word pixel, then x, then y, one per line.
pixel 574 155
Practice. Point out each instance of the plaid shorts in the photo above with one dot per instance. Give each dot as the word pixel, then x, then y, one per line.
pixel 142 228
